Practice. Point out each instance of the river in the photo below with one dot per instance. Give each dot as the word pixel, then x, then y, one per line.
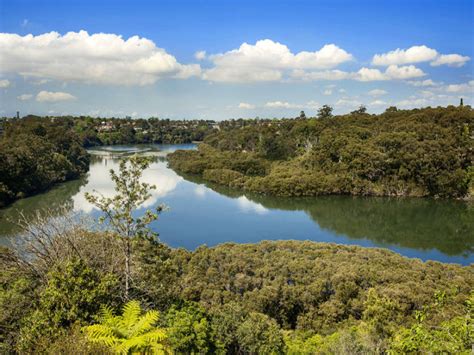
pixel 203 213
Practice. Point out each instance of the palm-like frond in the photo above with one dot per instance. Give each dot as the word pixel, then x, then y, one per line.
pixel 106 314
pixel 131 313
pixel 145 323
pixel 130 332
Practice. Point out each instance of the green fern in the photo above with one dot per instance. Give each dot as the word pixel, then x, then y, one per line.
pixel 130 333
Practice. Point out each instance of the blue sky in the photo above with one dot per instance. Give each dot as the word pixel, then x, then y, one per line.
pixel 222 59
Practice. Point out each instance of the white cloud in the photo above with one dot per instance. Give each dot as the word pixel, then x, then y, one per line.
pixel 412 102
pixel 327 92
pixel 286 105
pixel 367 74
pixel 451 60
pixel 200 55
pixel 419 83
pixel 404 72
pixel 246 106
pixel 4 83
pixel 24 97
pixel 335 74
pixel 281 104
pixel 393 72
pixel 377 92
pixel 378 103
pixel 427 93
pixel 413 54
pixel 418 54
pixel 348 102
pixel 96 58
pixel 465 87
pixel 48 96
pixel 267 60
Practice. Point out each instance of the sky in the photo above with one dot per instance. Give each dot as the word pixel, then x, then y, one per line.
pixel 230 59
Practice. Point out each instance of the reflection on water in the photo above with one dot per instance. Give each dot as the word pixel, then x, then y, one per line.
pixel 164 179
pixel 203 213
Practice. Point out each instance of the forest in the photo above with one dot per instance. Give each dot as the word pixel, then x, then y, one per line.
pixel 271 297
pixel 35 154
pixel 419 152
pixel 109 131
pixel 65 288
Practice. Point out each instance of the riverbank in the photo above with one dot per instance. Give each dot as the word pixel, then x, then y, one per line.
pixel 35 155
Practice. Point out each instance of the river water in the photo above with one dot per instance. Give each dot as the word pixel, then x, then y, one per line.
pixel 203 213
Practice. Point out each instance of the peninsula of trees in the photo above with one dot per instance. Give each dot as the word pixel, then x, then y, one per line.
pixel 420 152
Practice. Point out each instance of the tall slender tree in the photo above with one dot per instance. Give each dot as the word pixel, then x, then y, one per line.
pixel 119 210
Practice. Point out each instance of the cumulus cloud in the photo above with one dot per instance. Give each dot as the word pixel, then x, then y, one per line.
pixel 377 92
pixel 24 97
pixel 418 54
pixel 49 96
pixel 246 106
pixel 4 83
pixel 451 60
pixel 98 58
pixel 413 54
pixel 267 60
pixel 404 72
pixel 392 72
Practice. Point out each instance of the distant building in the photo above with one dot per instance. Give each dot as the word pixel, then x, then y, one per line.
pixel 17 114
pixel 105 126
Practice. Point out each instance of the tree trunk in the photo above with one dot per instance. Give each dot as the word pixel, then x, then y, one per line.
pixel 127 268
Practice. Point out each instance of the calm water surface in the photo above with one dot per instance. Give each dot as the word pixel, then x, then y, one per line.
pixel 202 213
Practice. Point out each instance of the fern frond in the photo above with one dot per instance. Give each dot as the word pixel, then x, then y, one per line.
pixel 98 330
pixel 145 323
pixel 131 312
pixel 131 344
pixel 106 314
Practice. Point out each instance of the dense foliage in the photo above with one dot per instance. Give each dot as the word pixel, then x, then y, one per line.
pixel 420 152
pixel 36 153
pixel 97 131
pixel 271 297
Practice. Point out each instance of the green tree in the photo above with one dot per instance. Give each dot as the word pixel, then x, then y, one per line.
pixel 190 330
pixel 361 110
pixel 260 334
pixel 119 209
pixel 73 294
pixel 325 112
pixel 132 332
